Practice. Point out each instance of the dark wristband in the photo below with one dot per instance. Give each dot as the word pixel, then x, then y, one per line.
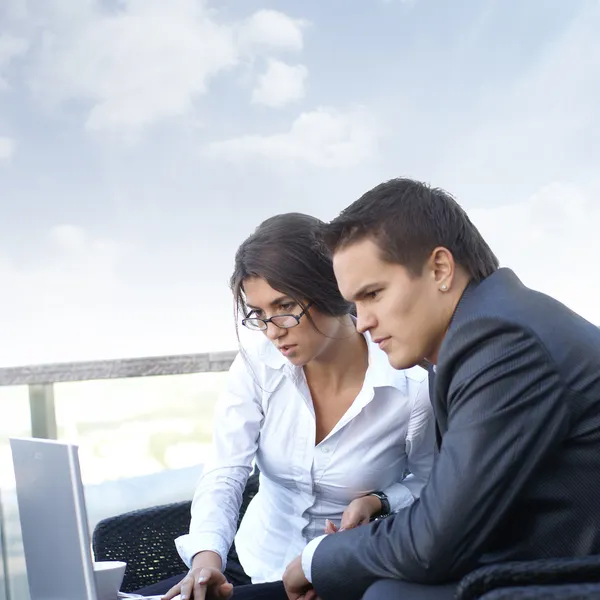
pixel 385 503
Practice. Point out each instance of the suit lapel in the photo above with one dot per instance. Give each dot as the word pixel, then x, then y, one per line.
pixel 434 404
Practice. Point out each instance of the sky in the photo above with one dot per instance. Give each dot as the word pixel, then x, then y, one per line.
pixel 141 141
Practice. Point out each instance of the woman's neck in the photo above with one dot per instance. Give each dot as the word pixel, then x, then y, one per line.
pixel 343 362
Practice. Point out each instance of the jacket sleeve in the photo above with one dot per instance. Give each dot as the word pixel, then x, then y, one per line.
pixel 505 416
pixel 218 495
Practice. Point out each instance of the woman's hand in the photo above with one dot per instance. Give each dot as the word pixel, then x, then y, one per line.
pixel 204 581
pixel 358 512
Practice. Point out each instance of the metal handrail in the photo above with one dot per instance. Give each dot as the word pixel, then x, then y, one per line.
pixel 117 368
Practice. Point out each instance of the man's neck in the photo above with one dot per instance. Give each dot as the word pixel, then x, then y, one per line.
pixel 460 284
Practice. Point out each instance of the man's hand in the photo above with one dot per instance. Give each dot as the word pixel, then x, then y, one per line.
pixel 204 583
pixel 297 587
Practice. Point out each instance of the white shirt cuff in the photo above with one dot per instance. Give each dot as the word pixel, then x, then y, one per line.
pixel 189 545
pixel 399 496
pixel 307 556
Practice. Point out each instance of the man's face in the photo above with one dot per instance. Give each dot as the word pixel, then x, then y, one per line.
pixel 406 315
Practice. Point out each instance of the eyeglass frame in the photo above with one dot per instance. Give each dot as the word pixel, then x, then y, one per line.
pixel 270 319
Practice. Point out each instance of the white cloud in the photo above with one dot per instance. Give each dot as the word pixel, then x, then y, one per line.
pixel 82 296
pixel 75 242
pixel 270 29
pixel 145 62
pixel 550 240
pixel 280 84
pixel 148 60
pixel 324 138
pixel 7 149
pixel 10 47
pixel 58 305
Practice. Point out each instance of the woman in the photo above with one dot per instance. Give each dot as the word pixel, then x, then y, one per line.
pixel 332 427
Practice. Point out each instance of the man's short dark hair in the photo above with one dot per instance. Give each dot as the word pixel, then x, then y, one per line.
pixel 408 219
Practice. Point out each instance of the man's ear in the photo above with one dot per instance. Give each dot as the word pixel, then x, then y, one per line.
pixel 442 268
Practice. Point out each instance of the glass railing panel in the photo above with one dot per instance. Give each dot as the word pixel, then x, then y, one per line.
pixel 142 441
pixel 15 422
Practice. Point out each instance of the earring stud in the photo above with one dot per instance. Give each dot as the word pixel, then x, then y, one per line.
pixel 444 287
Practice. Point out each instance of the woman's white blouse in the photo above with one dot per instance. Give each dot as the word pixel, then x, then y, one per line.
pixel 266 414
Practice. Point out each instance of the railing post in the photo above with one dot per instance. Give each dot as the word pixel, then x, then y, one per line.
pixel 42 410
pixel 4 590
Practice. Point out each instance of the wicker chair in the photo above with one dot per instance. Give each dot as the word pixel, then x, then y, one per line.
pixel 144 539
pixel 579 591
pixel 545 573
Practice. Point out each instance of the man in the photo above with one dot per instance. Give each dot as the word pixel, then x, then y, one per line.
pixel 515 391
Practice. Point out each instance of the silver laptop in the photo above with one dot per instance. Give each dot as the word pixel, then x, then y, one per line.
pixel 54 521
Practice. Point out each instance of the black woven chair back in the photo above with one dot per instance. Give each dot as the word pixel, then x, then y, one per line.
pixel 546 572
pixel 144 539
pixel 577 591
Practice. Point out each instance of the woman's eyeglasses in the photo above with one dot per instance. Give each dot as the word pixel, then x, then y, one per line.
pixel 282 321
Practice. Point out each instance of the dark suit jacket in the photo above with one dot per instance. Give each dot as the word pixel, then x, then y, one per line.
pixel 517 402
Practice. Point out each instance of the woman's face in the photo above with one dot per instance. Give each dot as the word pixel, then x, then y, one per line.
pixel 300 344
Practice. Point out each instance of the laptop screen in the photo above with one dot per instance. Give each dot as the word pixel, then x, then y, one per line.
pixel 53 520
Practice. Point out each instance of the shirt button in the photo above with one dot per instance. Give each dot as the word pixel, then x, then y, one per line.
pixel 326 450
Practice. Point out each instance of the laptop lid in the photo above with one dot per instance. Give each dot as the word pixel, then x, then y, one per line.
pixel 53 520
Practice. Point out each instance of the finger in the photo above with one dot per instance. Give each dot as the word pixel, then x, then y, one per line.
pixel 292 595
pixel 176 589
pixel 225 591
pixel 201 583
pixel 330 527
pixel 187 588
pixel 183 588
pixel 199 591
pixel 349 520
pixel 186 591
